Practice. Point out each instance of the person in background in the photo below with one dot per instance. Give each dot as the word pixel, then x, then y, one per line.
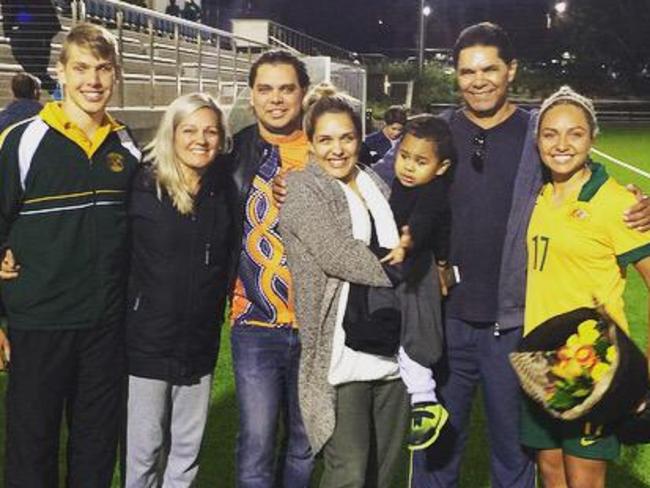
pixel 26 89
pixel 173 9
pixel 181 228
pixel 378 143
pixel 64 182
pixel 191 11
pixel 30 26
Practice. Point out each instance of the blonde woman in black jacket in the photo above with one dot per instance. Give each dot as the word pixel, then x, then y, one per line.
pixel 180 223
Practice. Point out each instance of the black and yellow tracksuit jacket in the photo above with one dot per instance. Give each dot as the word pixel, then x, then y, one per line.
pixel 63 214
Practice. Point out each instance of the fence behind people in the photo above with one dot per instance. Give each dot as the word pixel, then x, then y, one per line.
pixel 162 56
pixel 614 111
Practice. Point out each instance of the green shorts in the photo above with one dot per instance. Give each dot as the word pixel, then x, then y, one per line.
pixel 577 438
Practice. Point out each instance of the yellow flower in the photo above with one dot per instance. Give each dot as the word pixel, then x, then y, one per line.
pixel 611 354
pixel 578 357
pixel 573 342
pixel 567 369
pixel 588 333
pixel 599 370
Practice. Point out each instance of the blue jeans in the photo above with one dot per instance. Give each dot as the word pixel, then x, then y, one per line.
pixel 474 357
pixel 265 361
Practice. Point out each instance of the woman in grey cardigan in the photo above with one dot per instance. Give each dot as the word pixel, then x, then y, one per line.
pixel 352 402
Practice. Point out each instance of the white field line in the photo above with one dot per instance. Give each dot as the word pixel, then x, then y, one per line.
pixel 621 163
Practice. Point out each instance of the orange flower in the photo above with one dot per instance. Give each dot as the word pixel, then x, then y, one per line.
pixel 586 356
pixel 564 354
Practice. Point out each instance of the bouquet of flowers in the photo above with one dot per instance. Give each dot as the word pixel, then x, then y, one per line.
pixel 582 364
pixel 585 358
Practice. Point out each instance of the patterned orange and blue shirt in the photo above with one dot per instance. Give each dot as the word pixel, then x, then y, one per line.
pixel 263 294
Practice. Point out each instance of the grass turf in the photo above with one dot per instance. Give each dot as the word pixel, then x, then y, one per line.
pixel 631 145
pixel 632 470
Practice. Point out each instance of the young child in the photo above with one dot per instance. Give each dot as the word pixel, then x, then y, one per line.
pixel 395 319
pixel 419 201
pixel 418 196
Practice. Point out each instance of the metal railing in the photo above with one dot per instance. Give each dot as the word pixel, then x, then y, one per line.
pixel 161 50
pixel 288 38
pixel 163 56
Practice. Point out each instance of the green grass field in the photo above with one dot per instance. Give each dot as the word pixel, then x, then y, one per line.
pixel 631 145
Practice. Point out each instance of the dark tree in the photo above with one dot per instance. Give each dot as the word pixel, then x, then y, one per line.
pixel 610 41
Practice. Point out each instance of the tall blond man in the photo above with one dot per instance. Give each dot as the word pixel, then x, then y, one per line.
pixel 64 179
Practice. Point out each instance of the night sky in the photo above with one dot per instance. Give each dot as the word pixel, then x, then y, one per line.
pixel 612 31
pixel 355 24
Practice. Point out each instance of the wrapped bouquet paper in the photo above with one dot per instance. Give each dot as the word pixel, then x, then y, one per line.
pixel 635 428
pixel 582 364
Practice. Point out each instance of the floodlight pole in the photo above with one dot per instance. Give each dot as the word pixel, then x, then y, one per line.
pixel 421 36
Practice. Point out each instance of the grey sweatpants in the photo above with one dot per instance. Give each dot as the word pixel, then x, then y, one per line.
pixel 158 410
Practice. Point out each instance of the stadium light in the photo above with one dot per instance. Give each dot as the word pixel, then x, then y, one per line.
pixel 426 11
pixel 560 7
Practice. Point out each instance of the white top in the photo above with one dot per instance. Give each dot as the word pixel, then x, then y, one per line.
pixel 346 364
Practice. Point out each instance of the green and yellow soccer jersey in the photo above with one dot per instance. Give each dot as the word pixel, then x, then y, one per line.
pixel 578 251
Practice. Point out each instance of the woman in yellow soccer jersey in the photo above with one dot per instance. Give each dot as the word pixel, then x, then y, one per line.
pixel 578 249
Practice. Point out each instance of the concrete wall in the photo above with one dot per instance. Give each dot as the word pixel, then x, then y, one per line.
pixel 255 29
pixel 143 123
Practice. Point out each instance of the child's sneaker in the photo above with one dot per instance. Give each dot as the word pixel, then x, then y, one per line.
pixel 427 421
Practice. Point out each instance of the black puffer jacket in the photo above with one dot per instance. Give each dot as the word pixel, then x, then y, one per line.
pixel 179 279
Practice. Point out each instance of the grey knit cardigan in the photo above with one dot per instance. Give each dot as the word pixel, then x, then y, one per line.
pixel 314 223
